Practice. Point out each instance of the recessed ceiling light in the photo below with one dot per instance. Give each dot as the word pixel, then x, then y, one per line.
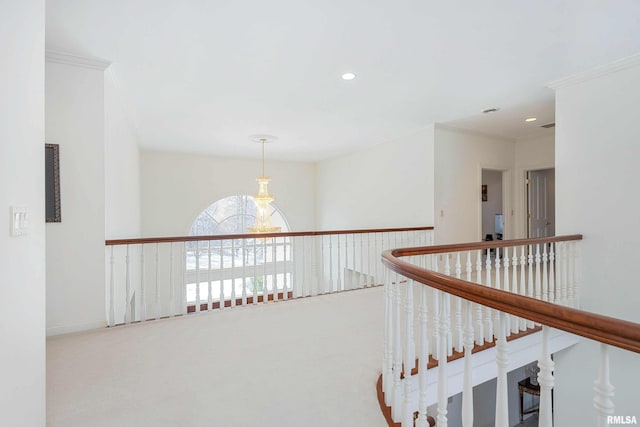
pixel 348 76
pixel 490 110
pixel 531 119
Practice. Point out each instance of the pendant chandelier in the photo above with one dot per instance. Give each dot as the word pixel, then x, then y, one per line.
pixel 263 199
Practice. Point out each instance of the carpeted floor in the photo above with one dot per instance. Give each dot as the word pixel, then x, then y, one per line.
pixel 308 362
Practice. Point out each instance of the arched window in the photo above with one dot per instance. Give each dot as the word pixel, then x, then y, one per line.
pixel 235 268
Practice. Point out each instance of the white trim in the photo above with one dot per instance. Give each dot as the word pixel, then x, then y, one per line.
pixel 77 327
pixel 93 63
pixel 603 70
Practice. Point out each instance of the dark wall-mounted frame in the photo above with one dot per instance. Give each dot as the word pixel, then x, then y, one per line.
pixel 52 182
pixel 484 193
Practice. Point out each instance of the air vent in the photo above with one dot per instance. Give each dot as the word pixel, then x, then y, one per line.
pixel 549 125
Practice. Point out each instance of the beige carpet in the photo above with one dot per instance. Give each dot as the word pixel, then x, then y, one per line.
pixel 306 362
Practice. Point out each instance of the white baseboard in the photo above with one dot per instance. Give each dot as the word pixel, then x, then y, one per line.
pixel 79 327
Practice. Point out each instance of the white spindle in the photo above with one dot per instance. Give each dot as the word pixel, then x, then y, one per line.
pixel 112 308
pixel 255 274
pixel 523 284
pixel 546 381
pixel 220 271
pixel 339 285
pixel 488 322
pixel 244 271
pixel 183 283
pixel 387 378
pixel 603 400
pixel 285 285
pixel 274 273
pixel 467 391
pixel 233 270
pixel 157 313
pixel 442 362
pixel 515 321
pixel 447 271
pixel 409 356
pixel 423 359
pixel 197 255
pixel 458 306
pixel 143 302
pixel 435 320
pixel 172 304
pixel 545 273
pixel 552 274
pixel 496 313
pixel 127 308
pixel 479 333
pixel 530 284
pixel 505 284
pixel 369 260
pixel 502 362
pixel 396 407
pixel 562 273
pixel 571 274
pixel 265 291
pixel 538 282
pixel 209 281
pixel 331 288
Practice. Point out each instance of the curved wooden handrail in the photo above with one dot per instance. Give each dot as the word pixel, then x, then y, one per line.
pixel 616 332
pixel 137 241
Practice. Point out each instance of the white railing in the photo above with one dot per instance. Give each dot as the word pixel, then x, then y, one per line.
pixel 152 278
pixel 446 299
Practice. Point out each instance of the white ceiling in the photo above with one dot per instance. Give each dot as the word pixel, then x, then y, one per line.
pixel 201 76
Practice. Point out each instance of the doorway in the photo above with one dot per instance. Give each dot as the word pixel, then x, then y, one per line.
pixel 541 203
pixel 492 204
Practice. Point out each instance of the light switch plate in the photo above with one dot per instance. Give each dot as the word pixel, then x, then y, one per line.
pixel 19 221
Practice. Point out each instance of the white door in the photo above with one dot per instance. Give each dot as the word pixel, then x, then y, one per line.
pixel 541 204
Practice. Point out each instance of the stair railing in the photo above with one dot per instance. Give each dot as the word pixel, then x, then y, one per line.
pixel 151 278
pixel 458 298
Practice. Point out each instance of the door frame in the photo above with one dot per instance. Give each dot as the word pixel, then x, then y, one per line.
pixel 507 211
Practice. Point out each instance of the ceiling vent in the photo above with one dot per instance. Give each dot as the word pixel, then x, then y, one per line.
pixel 549 125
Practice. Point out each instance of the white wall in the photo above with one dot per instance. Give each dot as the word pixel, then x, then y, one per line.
pixel 493 180
pixel 597 152
pixel 537 152
pixel 74 114
pixel 177 187
pixel 122 166
pixel 22 288
pixel 459 158
pixel 390 185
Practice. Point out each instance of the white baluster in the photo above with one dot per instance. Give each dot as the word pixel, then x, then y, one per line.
pixel 546 381
pixel 340 285
pixel 233 272
pixel 442 362
pixel 458 305
pixel 467 391
pixel 127 308
pixel 530 284
pixel 505 285
pixel 603 400
pixel 515 321
pixel 369 259
pixel 435 320
pixel 488 322
pixel 538 293
pixel 285 285
pixel 304 288
pixel 112 308
pixel 157 310
pixel 221 276
pixel 172 297
pixel 545 273
pixel 183 282
pixel 552 274
pixel 387 364
pixel 479 333
pixel 244 271
pixel 143 296
pixel 562 273
pixel 396 407
pixel 571 274
pixel 447 271
pixel 523 283
pixel 409 356
pixel 423 359
pixel 496 313
pixel 197 256
pixel 209 281
pixel 576 274
pixel 265 291
pixel 331 288
pixel 502 362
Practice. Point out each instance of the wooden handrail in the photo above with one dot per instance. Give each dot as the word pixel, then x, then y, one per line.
pixel 143 240
pixel 616 332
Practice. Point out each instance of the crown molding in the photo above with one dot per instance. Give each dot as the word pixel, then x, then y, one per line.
pixel 59 57
pixel 603 70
